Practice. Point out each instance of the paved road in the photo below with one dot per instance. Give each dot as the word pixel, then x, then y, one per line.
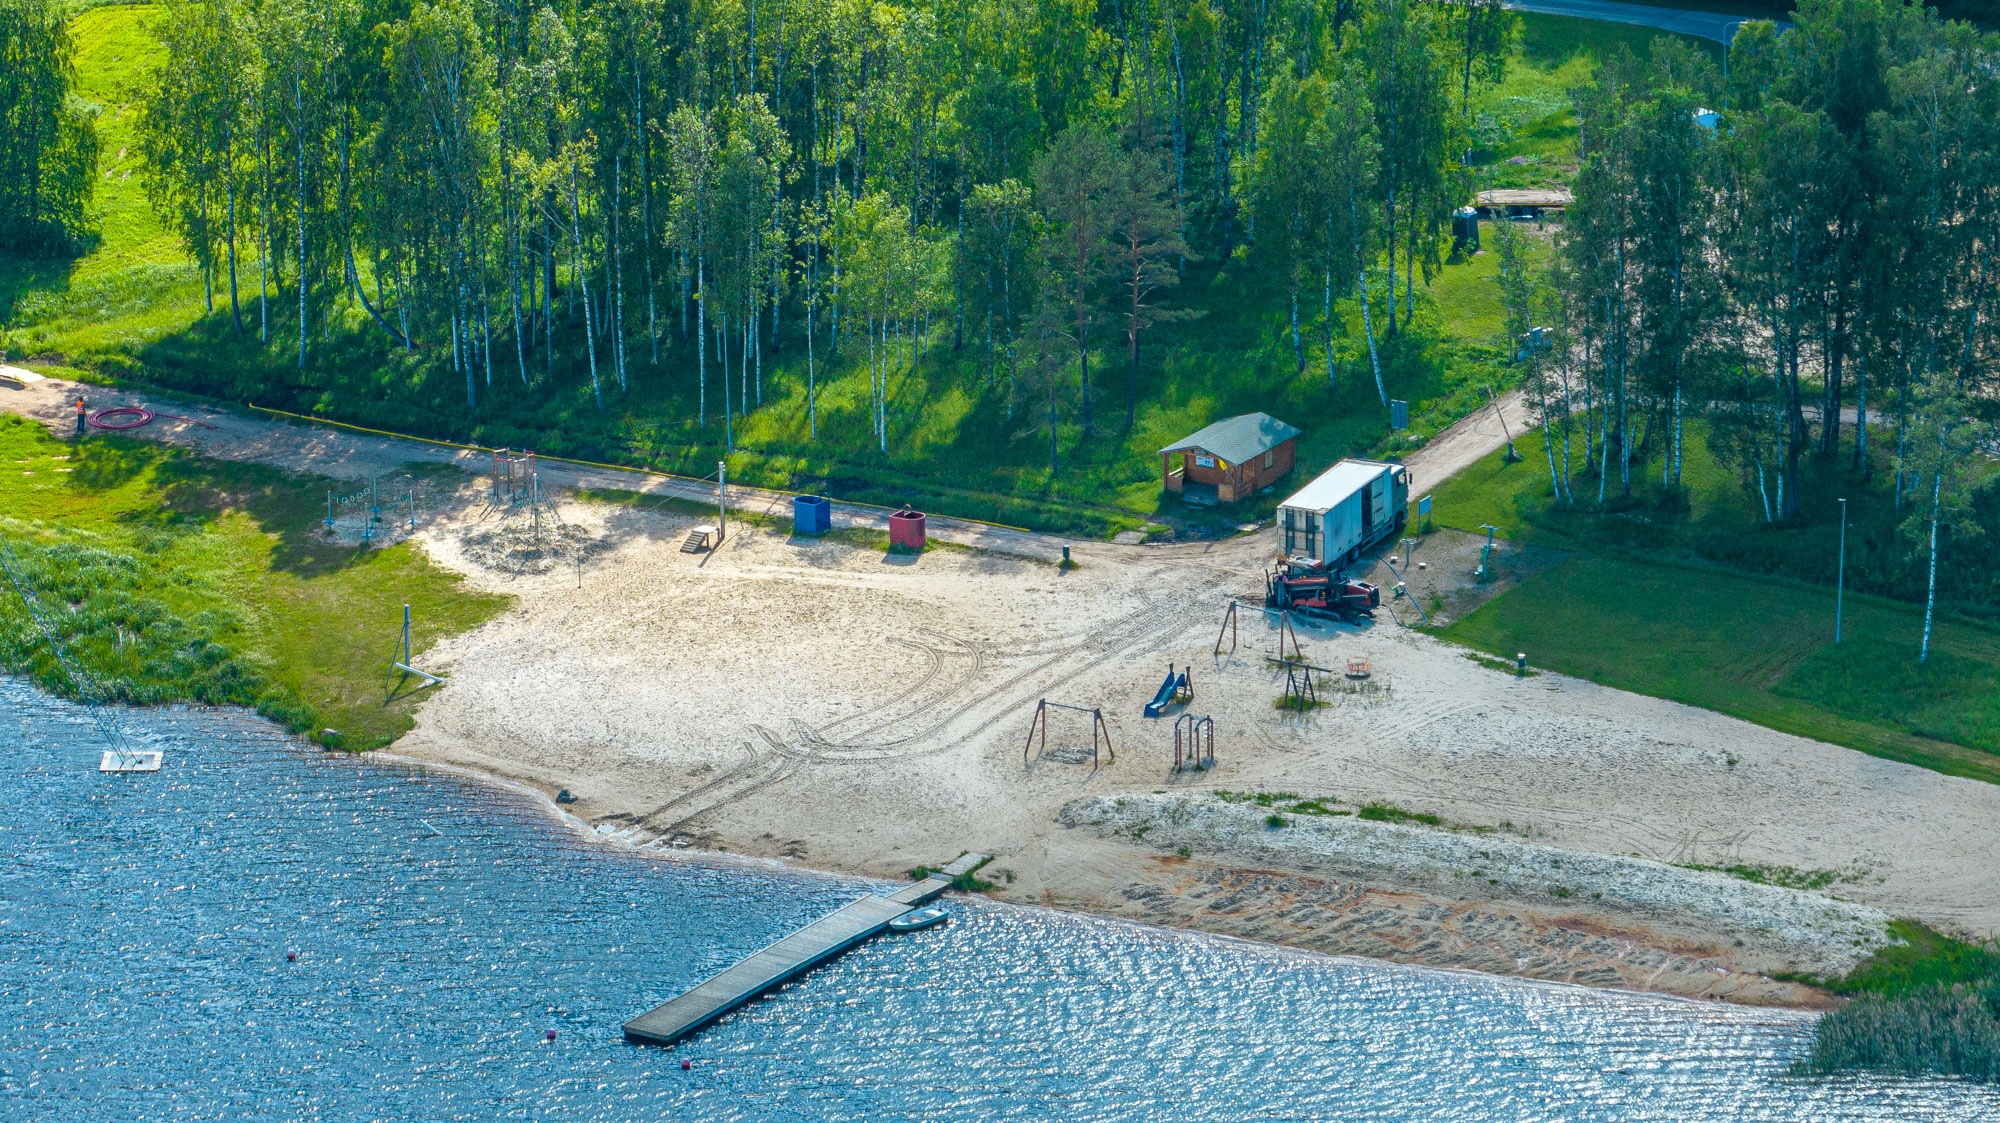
pixel 1705 25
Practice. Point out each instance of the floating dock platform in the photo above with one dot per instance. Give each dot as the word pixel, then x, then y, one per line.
pixel 803 950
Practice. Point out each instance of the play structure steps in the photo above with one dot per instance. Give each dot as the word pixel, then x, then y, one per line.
pixel 698 539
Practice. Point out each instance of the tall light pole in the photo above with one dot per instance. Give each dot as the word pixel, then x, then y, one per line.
pixel 1840 578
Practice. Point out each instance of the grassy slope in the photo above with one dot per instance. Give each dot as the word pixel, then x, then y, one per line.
pixel 1761 650
pixel 1730 639
pixel 133 309
pixel 217 557
pixel 1527 117
pixel 134 285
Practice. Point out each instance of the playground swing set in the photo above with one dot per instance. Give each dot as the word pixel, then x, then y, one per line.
pixel 1097 728
pixel 368 503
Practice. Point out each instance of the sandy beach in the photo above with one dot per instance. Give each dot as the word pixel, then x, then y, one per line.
pixel 827 704
pixel 843 709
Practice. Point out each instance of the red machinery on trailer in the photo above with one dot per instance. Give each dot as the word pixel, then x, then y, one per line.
pixel 1310 585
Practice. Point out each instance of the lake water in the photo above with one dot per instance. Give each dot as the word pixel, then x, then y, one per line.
pixel 443 926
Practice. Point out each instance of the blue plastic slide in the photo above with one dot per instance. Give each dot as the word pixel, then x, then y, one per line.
pixel 1165 696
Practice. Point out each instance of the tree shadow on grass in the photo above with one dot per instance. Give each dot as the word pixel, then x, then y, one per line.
pixel 22 277
pixel 194 491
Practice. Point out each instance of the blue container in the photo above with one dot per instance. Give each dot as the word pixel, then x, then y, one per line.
pixel 811 514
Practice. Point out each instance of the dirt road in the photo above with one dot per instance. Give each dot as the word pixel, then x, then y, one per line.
pixel 1464 444
pixel 345 454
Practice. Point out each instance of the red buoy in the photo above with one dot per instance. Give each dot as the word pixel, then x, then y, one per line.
pixel 551 1035
pixel 686 1064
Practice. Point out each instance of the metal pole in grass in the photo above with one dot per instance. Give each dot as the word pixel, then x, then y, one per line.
pixel 721 501
pixel 1840 578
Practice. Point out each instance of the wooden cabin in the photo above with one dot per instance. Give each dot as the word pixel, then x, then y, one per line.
pixel 1230 460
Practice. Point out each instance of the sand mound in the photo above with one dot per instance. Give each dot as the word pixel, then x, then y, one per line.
pixel 1822 935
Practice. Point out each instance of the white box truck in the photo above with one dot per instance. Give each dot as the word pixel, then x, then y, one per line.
pixel 1346 509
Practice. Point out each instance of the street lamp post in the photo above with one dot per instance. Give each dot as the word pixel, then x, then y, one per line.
pixel 1840 578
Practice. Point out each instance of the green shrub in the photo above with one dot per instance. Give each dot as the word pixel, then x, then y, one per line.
pixel 1927 1004
pixel 137 648
pixel 1921 958
pixel 1951 1030
pixel 1389 813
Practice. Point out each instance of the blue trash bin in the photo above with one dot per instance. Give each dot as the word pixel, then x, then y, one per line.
pixel 811 514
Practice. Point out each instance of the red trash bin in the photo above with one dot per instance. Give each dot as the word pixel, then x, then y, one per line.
pixel 906 528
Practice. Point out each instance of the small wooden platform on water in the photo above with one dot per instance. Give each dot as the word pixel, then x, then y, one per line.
pixel 783 961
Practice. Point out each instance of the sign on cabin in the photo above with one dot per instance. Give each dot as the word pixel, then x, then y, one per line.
pixel 1228 460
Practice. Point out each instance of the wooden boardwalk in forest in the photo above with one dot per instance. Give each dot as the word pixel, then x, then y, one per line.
pixel 783 961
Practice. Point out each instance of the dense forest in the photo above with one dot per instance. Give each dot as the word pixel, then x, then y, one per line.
pixel 48 148
pixel 629 217
pixel 1804 268
pixel 509 184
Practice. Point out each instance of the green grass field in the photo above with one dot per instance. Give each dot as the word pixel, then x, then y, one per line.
pixel 134 286
pixel 1651 602
pixel 177 577
pixel 1524 130
pixel 1761 650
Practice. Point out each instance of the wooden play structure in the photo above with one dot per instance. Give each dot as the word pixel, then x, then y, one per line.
pixel 515 479
pixel 1228 629
pixel 1299 690
pixel 1286 631
pixel 1097 728
pixel 1194 742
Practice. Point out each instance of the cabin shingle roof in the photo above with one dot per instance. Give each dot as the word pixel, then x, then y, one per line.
pixel 1237 439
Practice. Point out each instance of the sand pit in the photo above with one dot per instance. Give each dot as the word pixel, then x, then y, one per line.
pixel 517 545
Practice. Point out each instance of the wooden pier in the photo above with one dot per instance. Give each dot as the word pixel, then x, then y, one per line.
pixel 783 961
